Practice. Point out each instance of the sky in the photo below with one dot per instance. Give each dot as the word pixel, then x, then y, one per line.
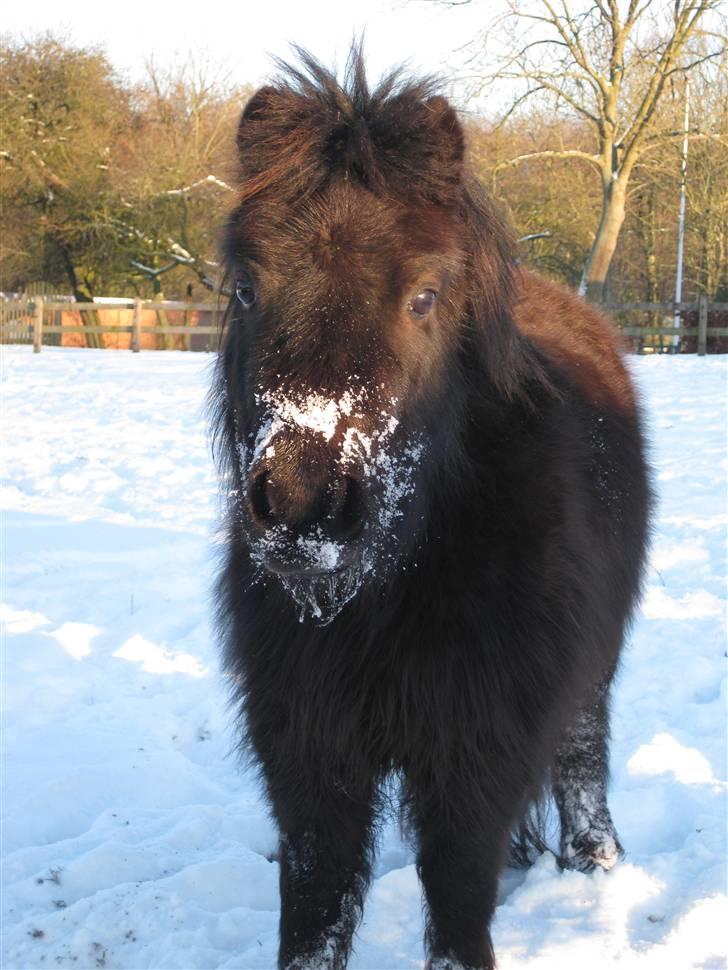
pixel 241 39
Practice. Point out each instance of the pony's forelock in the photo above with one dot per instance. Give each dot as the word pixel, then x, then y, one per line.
pixel 309 127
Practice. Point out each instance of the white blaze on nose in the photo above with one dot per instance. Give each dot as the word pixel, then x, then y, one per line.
pixel 289 409
pixel 312 411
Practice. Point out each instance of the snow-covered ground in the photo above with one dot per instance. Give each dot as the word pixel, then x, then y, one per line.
pixel 132 840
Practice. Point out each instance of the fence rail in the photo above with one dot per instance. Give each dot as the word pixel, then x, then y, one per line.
pixel 34 320
pixel 27 320
pixel 702 331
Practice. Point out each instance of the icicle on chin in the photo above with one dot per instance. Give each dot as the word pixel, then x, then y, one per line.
pixel 322 598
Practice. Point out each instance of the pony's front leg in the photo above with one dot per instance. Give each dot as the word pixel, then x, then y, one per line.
pixel 459 859
pixel 325 858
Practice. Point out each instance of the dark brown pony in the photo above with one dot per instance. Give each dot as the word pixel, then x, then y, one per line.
pixel 438 507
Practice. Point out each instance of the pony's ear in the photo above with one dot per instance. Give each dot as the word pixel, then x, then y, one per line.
pixel 257 109
pixel 261 108
pixel 260 104
pixel 449 138
pixel 276 142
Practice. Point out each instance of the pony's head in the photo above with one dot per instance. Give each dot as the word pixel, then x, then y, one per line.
pixel 367 270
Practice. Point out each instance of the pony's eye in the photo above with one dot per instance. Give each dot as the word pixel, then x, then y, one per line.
pixel 246 294
pixel 420 305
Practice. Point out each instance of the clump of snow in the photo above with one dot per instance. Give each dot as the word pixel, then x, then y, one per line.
pixel 323 552
pixel 658 604
pixel 156 659
pixel 665 754
pixel 310 409
pixel 20 621
pixel 129 834
pixel 75 638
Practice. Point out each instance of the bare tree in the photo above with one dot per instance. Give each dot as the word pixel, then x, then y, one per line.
pixel 608 63
pixel 172 172
pixel 557 197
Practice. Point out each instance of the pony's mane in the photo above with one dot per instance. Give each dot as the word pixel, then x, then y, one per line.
pixel 308 127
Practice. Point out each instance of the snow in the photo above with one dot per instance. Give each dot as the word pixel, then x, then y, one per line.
pixel 132 839
pixel 312 410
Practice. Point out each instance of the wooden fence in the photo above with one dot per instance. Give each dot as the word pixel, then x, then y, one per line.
pixel 36 320
pixel 650 338
pixel 90 324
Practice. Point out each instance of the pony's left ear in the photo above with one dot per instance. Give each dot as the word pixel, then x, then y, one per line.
pixel 449 138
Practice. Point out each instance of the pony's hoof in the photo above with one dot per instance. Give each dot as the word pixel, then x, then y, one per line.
pixel 587 851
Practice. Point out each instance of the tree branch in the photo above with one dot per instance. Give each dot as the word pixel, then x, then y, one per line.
pixel 549 153
pixel 208 180
pixel 149 271
pixel 685 23
pixel 573 43
pixel 546 82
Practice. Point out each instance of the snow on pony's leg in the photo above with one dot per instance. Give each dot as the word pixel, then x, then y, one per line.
pixel 581 772
pixel 325 851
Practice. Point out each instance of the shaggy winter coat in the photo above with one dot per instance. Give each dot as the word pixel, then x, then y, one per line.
pixel 437 516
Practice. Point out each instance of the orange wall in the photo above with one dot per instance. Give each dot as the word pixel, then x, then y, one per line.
pixel 109 317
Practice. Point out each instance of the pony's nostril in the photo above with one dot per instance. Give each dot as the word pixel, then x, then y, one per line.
pixel 336 507
pixel 258 498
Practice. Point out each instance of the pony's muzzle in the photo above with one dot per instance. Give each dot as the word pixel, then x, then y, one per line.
pixel 299 514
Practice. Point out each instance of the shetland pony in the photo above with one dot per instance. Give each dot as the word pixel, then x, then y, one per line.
pixel 438 506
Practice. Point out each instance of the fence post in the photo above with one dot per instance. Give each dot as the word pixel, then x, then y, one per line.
pixel 136 327
pixel 702 324
pixel 38 325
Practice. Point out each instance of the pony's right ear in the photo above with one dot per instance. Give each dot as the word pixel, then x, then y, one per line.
pixel 259 104
pixel 274 142
pixel 258 112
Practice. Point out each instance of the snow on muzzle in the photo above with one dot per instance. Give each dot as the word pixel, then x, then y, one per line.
pixel 327 478
pixel 308 510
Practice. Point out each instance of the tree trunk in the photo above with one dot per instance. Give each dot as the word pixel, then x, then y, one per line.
pixel 605 242
pixel 81 295
pixel 164 340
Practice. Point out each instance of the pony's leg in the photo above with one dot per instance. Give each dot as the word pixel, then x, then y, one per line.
pixel 325 857
pixel 580 780
pixel 459 863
